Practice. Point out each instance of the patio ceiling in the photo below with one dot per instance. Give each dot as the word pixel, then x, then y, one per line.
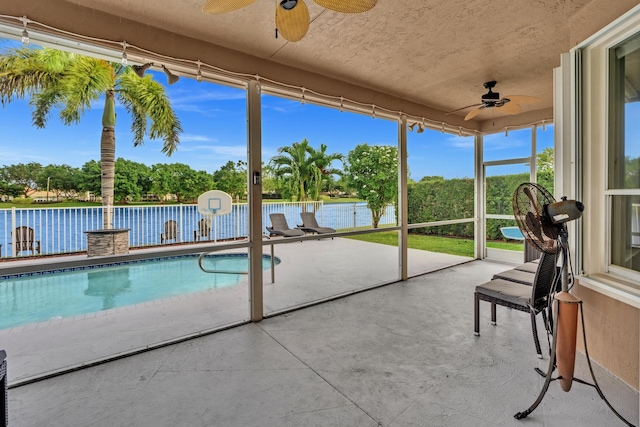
pixel 435 54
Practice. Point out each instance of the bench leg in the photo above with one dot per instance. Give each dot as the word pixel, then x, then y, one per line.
pixel 493 313
pixel 476 314
pixel 4 411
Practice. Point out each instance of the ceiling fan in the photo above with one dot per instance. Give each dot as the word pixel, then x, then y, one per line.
pixel 292 16
pixel 508 105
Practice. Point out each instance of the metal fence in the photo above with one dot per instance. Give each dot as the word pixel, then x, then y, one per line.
pixel 62 230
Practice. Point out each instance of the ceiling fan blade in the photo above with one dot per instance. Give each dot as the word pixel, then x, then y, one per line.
pixel 293 24
pixel 347 6
pixel 463 108
pixel 510 108
pixel 214 7
pixel 523 99
pixel 475 112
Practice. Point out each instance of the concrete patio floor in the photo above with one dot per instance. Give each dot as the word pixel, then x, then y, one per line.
pixel 400 355
pixel 310 271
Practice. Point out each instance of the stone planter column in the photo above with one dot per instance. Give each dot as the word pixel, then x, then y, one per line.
pixel 113 241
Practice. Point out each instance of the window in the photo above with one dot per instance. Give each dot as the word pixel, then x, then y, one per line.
pixel 623 171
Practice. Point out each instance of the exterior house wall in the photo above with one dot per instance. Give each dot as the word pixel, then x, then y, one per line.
pixel 611 305
pixel 612 330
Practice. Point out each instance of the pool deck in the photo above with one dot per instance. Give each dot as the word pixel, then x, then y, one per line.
pixel 402 355
pixel 309 272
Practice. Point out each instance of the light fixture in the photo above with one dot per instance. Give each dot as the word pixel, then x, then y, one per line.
pixel 25 33
pixel 303 95
pixel 420 128
pixel 341 104
pixel 544 127
pixel 288 4
pixel 411 126
pixel 124 53
pixel 373 111
pixel 141 69
pixel 199 74
pixel 172 78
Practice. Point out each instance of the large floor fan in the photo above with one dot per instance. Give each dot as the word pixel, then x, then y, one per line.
pixel 542 221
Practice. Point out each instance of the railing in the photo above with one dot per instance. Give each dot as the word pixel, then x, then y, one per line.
pixel 62 230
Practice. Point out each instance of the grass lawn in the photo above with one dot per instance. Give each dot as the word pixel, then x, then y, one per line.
pixel 448 245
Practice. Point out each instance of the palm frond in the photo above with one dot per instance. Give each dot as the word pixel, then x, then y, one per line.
pixel 147 97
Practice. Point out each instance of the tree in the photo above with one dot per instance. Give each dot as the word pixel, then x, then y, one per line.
pixel 232 178
pixel 59 179
pixel 12 190
pixel 131 180
pixel 69 82
pixel 90 177
pixel 179 179
pixel 323 171
pixel 373 172
pixel 294 168
pixel 24 175
pixel 545 160
pixel 544 168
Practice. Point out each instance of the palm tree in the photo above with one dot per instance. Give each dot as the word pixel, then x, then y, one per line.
pixel 295 165
pixel 70 82
pixel 323 170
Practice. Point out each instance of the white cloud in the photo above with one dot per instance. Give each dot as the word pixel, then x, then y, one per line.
pixel 236 151
pixel 460 142
pixel 186 137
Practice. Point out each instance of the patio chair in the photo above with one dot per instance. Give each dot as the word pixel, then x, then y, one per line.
pixel 310 224
pixel 279 227
pixel 532 299
pixel 170 231
pixel 203 231
pixel 25 240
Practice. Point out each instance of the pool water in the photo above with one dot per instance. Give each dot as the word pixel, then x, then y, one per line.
pixel 52 295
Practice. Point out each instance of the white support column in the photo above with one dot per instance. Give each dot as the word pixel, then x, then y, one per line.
pixel 480 236
pixel 533 165
pixel 254 171
pixel 403 209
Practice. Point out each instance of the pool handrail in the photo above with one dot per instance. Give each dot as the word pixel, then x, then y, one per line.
pixel 203 254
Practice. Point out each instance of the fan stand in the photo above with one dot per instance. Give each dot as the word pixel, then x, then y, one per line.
pixel 565 297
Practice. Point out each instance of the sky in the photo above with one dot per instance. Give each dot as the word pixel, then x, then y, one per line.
pixel 213 118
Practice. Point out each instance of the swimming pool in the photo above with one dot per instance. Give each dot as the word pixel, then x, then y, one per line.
pixel 41 296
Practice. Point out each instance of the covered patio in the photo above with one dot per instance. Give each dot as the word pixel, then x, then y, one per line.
pixel 402 355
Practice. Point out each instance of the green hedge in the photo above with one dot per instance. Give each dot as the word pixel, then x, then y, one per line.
pixel 439 200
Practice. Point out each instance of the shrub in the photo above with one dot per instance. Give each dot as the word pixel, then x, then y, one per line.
pixel 22 200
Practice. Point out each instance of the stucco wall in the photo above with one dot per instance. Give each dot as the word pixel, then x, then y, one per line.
pixel 612 334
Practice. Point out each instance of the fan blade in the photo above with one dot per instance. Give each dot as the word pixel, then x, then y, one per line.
pixel 472 105
pixel 510 108
pixel 347 6
pixel 214 7
pixel 293 24
pixel 523 99
pixel 475 112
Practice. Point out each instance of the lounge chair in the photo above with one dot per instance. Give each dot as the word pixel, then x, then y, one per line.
pixel 203 231
pixel 170 231
pixel 279 227
pixel 512 233
pixel 25 240
pixel 310 225
pixel 532 299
